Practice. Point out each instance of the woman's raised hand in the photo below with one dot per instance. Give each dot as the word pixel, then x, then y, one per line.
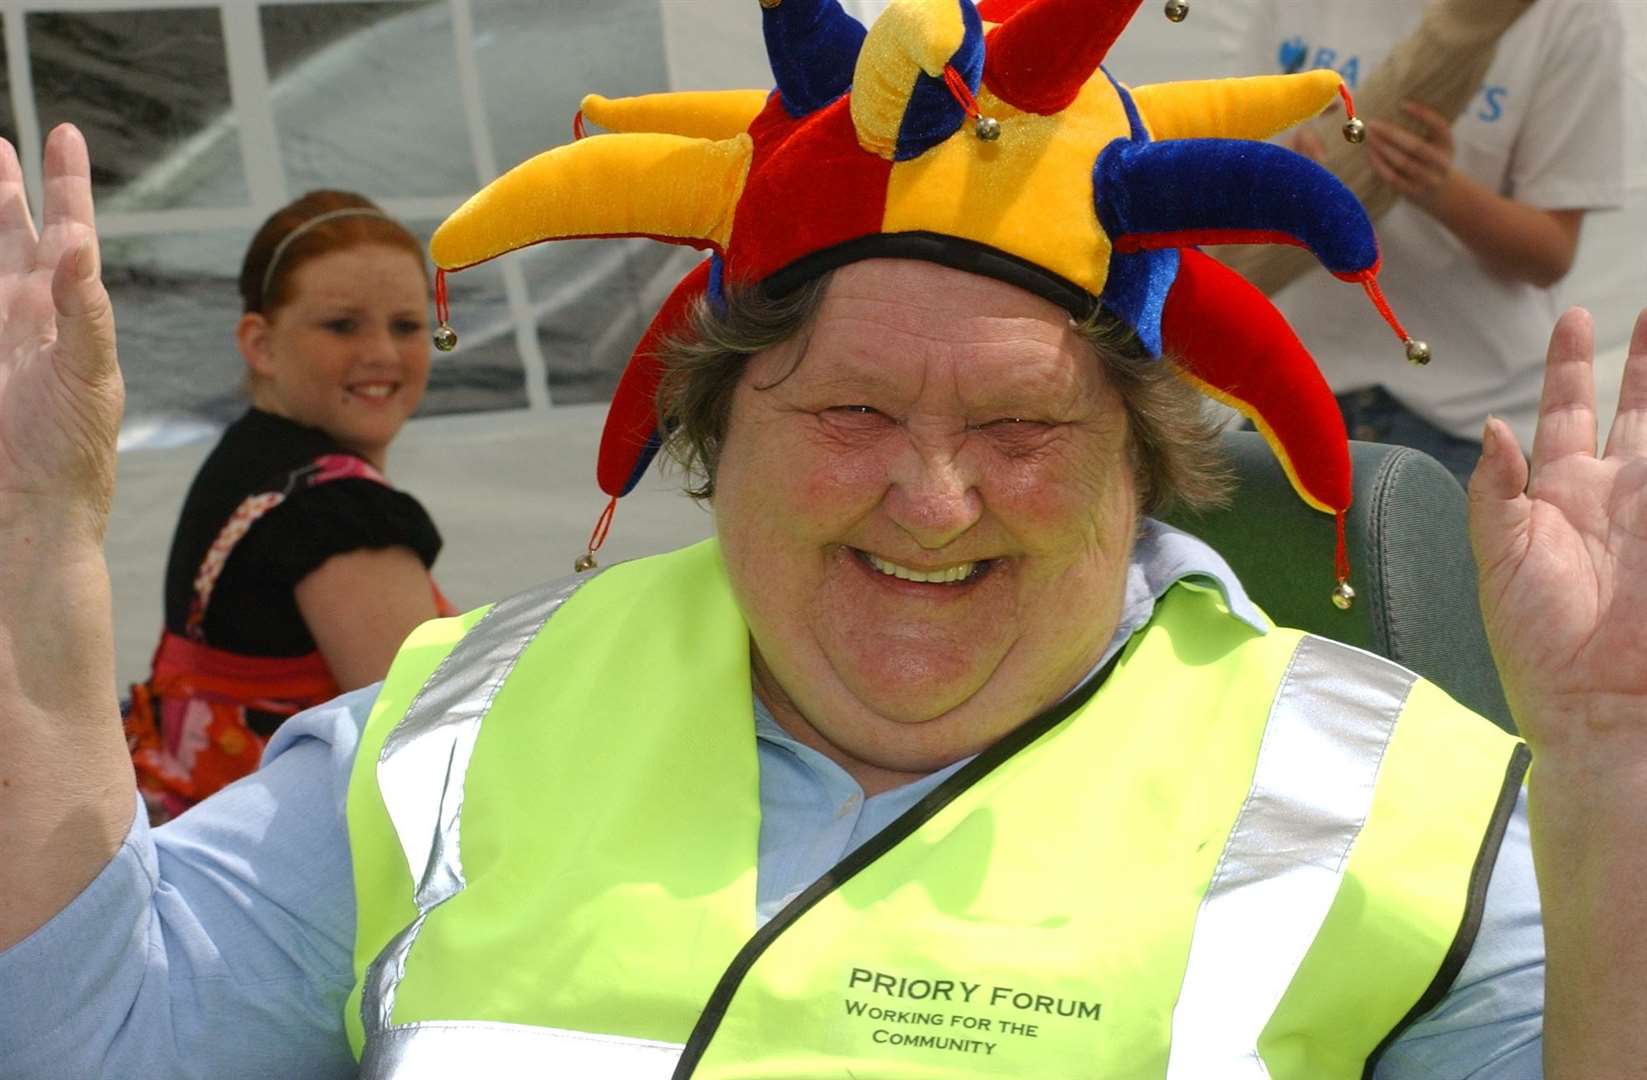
pixel 1562 567
pixel 1562 558
pixel 66 793
pixel 60 388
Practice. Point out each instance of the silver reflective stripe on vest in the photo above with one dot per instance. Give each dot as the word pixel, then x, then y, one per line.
pixel 446 1051
pixel 421 773
pixel 1281 868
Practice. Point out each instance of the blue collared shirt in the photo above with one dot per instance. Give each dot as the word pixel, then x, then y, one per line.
pixel 221 945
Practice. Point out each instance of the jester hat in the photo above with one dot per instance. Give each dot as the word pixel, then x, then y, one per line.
pixel 984 137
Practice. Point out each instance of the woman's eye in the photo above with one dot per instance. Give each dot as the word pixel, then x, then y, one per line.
pixel 407 327
pixel 339 326
pixel 854 420
pixel 1014 433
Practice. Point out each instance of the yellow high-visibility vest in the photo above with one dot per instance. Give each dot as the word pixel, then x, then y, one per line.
pixel 1242 854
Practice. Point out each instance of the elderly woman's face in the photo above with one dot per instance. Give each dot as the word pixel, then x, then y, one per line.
pixel 927 522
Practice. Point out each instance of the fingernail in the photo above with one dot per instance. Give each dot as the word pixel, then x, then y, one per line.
pixel 85 260
pixel 1489 438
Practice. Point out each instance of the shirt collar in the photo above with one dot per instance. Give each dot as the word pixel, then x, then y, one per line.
pixel 1162 556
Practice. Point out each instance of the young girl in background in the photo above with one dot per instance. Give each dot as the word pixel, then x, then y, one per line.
pixel 296 569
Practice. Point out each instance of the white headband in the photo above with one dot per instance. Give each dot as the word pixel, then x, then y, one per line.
pixel 286 241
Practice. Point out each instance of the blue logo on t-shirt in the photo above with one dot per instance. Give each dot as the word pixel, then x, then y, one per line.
pixel 1492 107
pixel 1294 51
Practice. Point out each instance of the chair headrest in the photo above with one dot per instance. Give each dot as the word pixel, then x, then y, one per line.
pixel 1409 549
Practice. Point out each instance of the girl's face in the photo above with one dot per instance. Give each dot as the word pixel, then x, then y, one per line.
pixel 349 352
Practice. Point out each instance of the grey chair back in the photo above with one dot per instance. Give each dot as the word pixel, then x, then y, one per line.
pixel 1409 557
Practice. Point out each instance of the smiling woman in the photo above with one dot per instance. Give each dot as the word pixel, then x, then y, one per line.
pixel 908 490
pixel 296 569
pixel 885 458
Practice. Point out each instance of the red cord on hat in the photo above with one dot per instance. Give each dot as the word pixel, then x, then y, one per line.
pixel 1369 282
pixel 441 312
pixel 986 128
pixel 960 90
pixel 1341 556
pixel 1343 594
pixel 577 126
pixel 603 524
pixel 1349 102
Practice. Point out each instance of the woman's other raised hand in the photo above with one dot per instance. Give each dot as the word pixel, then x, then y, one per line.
pixel 60 388
pixel 1562 561
pixel 66 788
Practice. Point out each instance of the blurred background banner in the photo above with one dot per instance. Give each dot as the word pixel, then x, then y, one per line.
pixel 205 117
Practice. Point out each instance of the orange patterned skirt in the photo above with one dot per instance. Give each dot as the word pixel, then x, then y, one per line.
pixel 201 720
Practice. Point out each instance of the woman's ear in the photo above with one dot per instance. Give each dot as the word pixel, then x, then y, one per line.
pixel 251 336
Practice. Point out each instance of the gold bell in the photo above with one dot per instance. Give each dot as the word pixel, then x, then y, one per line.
pixel 445 338
pixel 1418 352
pixel 987 128
pixel 585 562
pixel 1355 130
pixel 1343 597
pixel 770 4
pixel 1177 10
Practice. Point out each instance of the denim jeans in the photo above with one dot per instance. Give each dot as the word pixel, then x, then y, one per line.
pixel 1374 416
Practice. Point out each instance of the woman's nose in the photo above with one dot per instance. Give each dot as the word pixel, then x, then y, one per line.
pixel 933 496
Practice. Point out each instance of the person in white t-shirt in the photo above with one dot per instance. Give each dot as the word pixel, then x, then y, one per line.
pixel 1489 220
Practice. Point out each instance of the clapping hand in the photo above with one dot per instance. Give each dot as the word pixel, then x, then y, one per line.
pixel 60 388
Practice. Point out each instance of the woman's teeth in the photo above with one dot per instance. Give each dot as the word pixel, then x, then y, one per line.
pixel 373 390
pixel 931 577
